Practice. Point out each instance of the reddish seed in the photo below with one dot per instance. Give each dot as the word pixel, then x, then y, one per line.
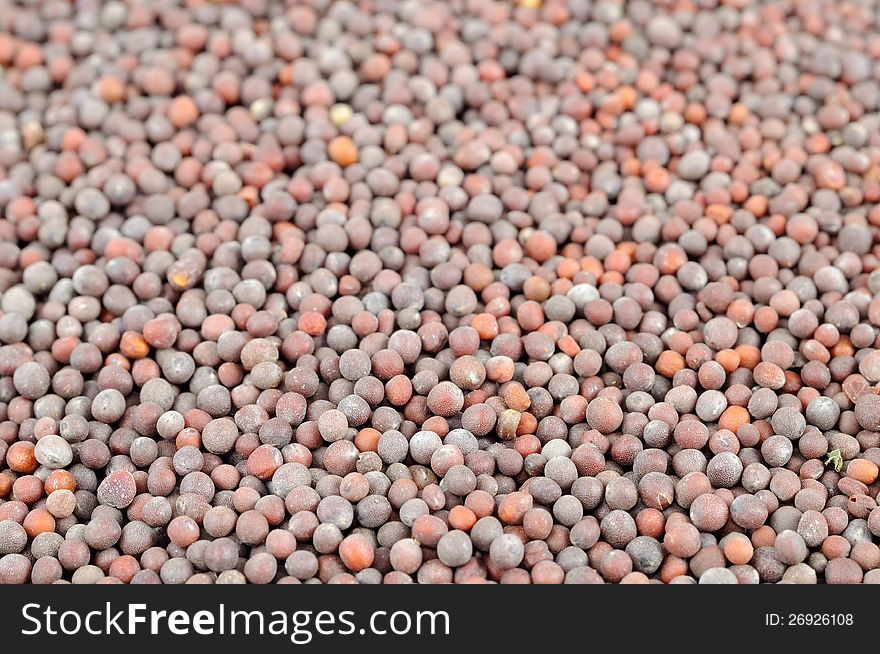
pixel 356 552
pixel 343 151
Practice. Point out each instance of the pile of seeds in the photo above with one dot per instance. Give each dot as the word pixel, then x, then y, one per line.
pixel 389 291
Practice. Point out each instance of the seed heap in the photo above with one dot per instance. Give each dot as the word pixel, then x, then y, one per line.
pixel 423 291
